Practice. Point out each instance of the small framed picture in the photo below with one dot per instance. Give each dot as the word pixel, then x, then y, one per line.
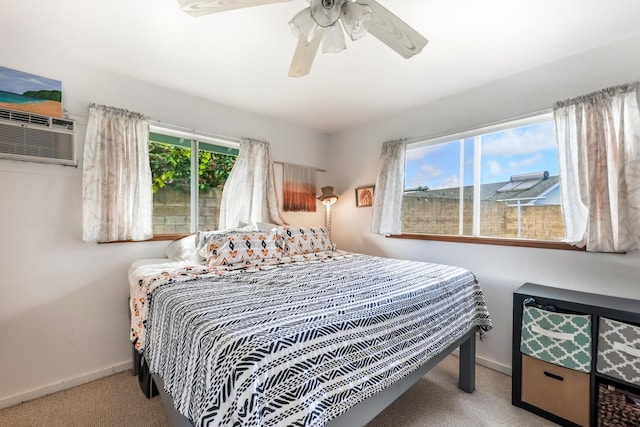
pixel 364 196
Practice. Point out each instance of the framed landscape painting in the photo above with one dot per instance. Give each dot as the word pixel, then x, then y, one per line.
pixel 30 93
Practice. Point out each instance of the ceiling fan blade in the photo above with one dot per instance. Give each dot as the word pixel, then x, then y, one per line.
pixel 207 7
pixel 393 31
pixel 305 54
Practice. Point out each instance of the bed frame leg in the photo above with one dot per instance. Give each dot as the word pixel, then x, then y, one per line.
pixel 467 368
pixel 137 359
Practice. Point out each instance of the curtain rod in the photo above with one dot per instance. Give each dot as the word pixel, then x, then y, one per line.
pixel 193 131
pixel 411 141
pixel 299 166
pixel 221 138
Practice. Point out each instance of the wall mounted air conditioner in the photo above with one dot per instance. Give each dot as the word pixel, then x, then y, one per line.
pixel 37 138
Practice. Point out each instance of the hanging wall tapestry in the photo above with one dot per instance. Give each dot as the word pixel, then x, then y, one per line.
pixel 299 189
pixel 30 93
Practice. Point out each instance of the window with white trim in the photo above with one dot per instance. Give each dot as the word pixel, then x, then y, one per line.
pixel 184 201
pixel 497 181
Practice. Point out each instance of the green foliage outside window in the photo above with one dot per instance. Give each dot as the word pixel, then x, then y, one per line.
pixel 171 166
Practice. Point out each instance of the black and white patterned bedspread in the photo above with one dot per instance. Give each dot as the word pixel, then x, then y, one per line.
pixel 300 344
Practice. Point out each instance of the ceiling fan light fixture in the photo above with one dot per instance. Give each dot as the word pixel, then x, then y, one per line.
pixel 326 12
pixel 303 26
pixel 355 18
pixel 333 40
pixel 318 24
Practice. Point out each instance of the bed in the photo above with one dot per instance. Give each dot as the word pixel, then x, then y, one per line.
pixel 302 334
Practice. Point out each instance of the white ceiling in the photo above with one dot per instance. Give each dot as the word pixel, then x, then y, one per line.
pixel 241 58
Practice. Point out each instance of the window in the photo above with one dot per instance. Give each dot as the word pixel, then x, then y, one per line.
pixel 183 201
pixel 498 181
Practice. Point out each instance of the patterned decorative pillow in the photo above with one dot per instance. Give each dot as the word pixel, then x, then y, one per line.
pixel 244 248
pixel 299 241
pixel 205 240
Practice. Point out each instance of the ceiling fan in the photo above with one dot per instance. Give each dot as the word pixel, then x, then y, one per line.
pixel 318 24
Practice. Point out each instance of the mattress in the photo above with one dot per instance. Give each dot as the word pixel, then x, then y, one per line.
pixel 299 343
pixel 140 273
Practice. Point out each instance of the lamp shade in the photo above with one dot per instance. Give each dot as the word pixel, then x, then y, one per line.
pixel 327 197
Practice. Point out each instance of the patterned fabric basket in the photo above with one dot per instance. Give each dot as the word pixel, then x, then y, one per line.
pixel 619 350
pixel 558 338
pixel 617 408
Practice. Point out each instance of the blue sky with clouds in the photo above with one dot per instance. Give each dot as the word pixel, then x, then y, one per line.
pixel 15 81
pixel 522 150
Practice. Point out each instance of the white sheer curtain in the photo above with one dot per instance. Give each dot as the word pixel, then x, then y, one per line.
pixel 249 193
pixel 387 204
pixel 599 155
pixel 116 194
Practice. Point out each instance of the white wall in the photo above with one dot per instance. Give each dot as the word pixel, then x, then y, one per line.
pixel 63 314
pixel 63 303
pixel 500 270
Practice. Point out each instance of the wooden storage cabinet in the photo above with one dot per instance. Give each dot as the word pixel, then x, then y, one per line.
pixel 564 394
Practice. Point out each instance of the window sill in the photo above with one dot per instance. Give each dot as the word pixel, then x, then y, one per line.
pixel 542 244
pixel 156 238
pixel 159 237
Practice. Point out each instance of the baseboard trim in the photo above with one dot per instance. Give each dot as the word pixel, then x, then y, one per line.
pixel 499 367
pixel 5 402
pixel 120 367
pixel 494 365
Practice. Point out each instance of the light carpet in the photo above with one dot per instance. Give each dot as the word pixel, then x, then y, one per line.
pixel 434 401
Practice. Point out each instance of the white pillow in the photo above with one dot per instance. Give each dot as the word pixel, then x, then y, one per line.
pixel 183 249
pixel 263 226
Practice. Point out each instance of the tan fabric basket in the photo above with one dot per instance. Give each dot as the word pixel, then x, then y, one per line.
pixel 617 408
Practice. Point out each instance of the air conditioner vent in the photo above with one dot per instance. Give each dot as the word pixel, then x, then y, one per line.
pixel 36 138
pixel 62 124
pixel 23 117
pixel 39 120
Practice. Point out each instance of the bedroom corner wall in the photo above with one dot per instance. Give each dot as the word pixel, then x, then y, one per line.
pixel 63 303
pixel 500 270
